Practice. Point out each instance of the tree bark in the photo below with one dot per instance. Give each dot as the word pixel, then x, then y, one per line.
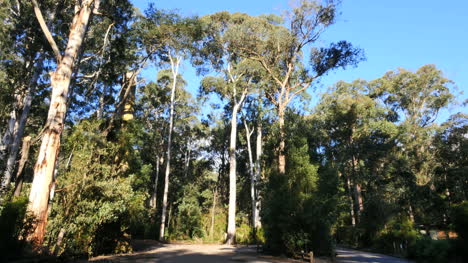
pixel 350 198
pixel 21 124
pixel 153 199
pixel 24 157
pixel 258 172
pixel 8 135
pixel 175 72
pixel 282 143
pixel 48 152
pixel 231 230
pixel 213 212
pixel 248 133
pixel 357 190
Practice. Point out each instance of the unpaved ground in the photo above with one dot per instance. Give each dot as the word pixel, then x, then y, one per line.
pixel 181 253
pixel 151 251
pixel 345 255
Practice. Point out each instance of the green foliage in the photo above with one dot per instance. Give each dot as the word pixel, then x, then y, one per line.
pixel 398 236
pixel 96 200
pixel 460 225
pixel 426 250
pixel 188 218
pixel 298 214
pixel 244 234
pixel 14 226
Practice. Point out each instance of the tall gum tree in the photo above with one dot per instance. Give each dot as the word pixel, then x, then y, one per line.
pixel 60 82
pixel 234 86
pixel 235 81
pixel 357 135
pixel 169 39
pixel 278 44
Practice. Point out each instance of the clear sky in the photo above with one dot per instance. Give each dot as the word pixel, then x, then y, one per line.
pixel 392 33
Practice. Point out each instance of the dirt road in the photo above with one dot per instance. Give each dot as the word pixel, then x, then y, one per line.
pixel 173 253
pixel 181 253
pixel 354 256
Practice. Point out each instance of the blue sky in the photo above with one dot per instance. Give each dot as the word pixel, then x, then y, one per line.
pixel 392 33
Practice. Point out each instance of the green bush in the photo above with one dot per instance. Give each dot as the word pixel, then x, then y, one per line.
pixel 398 235
pixel 427 250
pixel 14 227
pixel 244 234
pixel 460 225
pixel 298 209
pixel 98 198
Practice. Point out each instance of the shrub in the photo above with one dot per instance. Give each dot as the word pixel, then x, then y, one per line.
pixel 460 225
pixel 244 234
pixel 427 250
pixel 297 214
pixel 14 227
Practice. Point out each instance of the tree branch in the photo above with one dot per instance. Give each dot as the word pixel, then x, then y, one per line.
pixel 46 31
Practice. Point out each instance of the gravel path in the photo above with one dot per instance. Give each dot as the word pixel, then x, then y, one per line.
pixel 353 256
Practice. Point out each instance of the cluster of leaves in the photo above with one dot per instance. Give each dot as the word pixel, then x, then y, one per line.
pixel 97 193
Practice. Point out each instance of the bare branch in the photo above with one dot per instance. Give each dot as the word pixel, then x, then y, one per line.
pixel 46 31
pixel 304 87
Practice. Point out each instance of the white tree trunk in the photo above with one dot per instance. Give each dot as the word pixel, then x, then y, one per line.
pixel 258 171
pixel 21 123
pixel 175 72
pixel 282 141
pixel 253 198
pixel 48 152
pixel 231 230
pixel 8 135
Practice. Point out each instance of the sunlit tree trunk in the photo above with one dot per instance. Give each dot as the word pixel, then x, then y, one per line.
pixel 248 134
pixel 258 171
pixel 231 229
pixel 175 71
pixel 48 152
pixel 282 143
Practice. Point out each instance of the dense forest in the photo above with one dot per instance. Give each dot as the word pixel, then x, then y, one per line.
pixel 93 155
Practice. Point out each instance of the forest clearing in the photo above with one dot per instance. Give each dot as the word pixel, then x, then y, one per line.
pixel 233 131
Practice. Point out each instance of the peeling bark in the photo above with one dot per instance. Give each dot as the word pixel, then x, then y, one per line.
pixel 48 152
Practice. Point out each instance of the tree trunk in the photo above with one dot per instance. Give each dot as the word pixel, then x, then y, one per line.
pixel 175 72
pixel 153 199
pixel 357 189
pixel 252 176
pixel 350 198
pixel 8 135
pixel 231 230
pixel 213 212
pixel 258 171
pixel 282 143
pixel 48 152
pixel 24 157
pixel 358 200
pixel 21 123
